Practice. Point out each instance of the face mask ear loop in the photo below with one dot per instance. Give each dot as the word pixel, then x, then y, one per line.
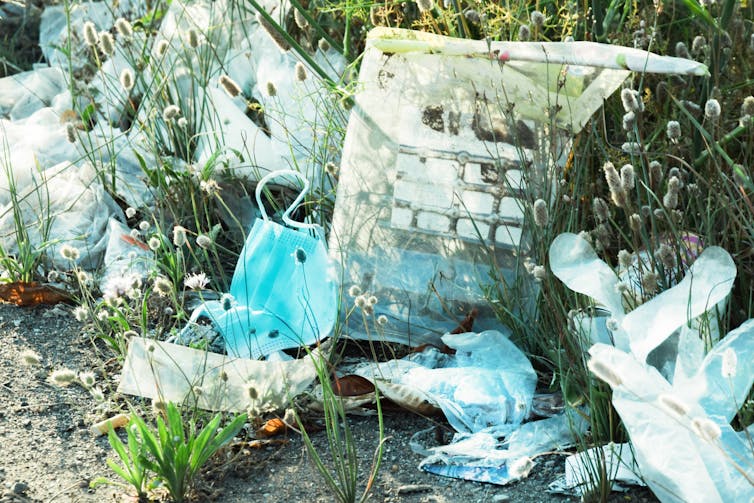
pixel 287 214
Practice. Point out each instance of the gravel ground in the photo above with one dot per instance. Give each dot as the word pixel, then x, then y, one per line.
pixel 50 454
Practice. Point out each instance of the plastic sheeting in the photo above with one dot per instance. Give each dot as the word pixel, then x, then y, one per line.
pixel 169 372
pixel 37 105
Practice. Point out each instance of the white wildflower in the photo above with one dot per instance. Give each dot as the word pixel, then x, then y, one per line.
pixel 195 281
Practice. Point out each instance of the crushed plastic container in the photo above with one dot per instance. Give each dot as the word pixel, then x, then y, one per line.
pixel 445 138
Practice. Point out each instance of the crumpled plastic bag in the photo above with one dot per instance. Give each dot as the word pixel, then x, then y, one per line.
pixel 429 153
pixel 485 391
pixel 24 93
pixel 75 213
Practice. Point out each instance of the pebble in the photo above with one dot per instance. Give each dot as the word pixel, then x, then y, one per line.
pixel 414 488
pixel 20 488
pixel 500 498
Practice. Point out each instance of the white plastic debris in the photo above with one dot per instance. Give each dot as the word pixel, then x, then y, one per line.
pixel 707 283
pixel 23 94
pixel 485 391
pixel 169 372
pixel 683 442
pixel 75 213
pixel 444 136
pixel 677 411
pixel 586 469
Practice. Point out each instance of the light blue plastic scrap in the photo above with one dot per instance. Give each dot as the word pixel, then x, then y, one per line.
pixel 283 290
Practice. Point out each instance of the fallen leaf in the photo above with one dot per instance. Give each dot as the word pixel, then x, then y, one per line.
pixel 351 385
pixel 22 293
pixel 272 427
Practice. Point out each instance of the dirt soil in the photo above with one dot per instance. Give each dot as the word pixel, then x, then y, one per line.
pixel 48 452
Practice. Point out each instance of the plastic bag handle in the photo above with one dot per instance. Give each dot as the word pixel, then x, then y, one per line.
pixel 287 214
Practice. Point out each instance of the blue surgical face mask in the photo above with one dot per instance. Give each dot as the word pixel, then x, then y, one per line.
pixel 283 287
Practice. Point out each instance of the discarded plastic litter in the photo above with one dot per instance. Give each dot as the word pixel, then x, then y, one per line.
pixel 707 283
pixel 169 372
pixel 583 469
pixel 485 391
pixel 433 167
pixel 283 291
pixel 676 408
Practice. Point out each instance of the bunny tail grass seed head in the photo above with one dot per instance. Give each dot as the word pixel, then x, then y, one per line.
pixel 154 243
pixel 170 112
pixel 631 101
pixel 354 291
pixel 425 5
pixel 274 34
pixel 204 241
pixel 712 110
pixel 123 27
pixel 179 236
pixel 666 256
pixel 670 199
pixel 627 180
pixel 230 86
pixel 673 405
pixel 537 19
pixel 625 259
pixel 629 121
pixel 540 213
pixel 127 79
pixel 524 33
pixel 673 130
pixel 271 90
pixel 163 286
pixel 70 132
pixel 698 45
pixel 193 38
pixel 617 193
pixel 30 358
pixel 600 209
pixel 603 372
pixel 90 34
pixel 106 43
pixel 300 72
pixel 87 379
pixel 62 377
pixel 706 429
pixel 323 45
pixel 161 47
pixel 681 51
pixel 68 252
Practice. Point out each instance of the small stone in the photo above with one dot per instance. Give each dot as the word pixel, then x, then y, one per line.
pixel 394 468
pixel 500 498
pixel 414 488
pixel 20 488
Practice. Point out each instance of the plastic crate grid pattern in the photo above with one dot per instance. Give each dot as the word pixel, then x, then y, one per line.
pixel 458 198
